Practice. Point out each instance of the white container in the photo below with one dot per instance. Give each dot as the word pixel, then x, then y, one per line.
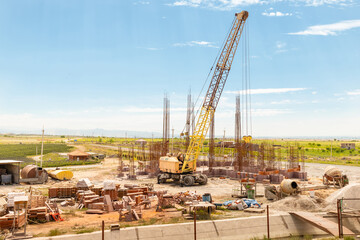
pixel 312 193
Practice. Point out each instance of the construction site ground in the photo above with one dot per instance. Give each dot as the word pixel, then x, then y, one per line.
pixel 77 221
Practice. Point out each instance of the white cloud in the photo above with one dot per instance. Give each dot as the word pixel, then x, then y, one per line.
pixel 233 4
pixel 195 43
pixel 268 112
pixel 141 3
pixel 276 14
pixel 267 90
pixel 314 92
pixel 286 101
pixel 150 110
pixel 329 29
pixel 316 3
pixel 281 47
pixel 352 93
pixel 152 49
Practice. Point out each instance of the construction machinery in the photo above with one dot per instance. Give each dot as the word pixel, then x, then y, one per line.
pixel 33 174
pixel 334 176
pixel 182 168
pixel 287 187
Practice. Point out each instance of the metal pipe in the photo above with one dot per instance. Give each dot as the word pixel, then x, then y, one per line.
pixel 103 230
pixel 341 223
pixel 194 223
pixel 338 216
pixel 268 224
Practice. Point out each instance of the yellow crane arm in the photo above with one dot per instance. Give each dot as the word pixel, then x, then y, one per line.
pixel 214 91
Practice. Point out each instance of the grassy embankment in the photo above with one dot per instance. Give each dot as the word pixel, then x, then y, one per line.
pixel 23 152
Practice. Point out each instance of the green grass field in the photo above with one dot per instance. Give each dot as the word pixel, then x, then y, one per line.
pixel 23 151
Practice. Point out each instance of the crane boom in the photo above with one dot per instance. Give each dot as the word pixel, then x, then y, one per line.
pixel 214 91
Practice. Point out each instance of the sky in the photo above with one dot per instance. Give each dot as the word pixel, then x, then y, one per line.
pixel 106 64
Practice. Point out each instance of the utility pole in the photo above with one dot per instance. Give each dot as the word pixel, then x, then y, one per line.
pixel 172 141
pixel 224 143
pixel 42 146
pixel 331 149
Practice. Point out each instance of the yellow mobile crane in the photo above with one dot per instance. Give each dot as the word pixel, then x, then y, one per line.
pixel 182 168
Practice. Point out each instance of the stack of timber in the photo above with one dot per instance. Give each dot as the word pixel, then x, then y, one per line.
pixel 38 214
pixel 37 201
pixel 6 222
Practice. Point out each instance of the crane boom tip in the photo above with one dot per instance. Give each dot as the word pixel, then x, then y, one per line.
pixel 243 15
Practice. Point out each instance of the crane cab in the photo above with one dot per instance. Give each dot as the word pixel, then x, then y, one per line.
pixel 169 164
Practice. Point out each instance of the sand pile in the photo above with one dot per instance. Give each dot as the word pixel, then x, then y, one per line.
pixel 350 191
pixel 299 203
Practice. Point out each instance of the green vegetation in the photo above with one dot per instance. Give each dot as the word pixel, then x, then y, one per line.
pixel 202 215
pixel 21 151
pixel 51 157
pixel 56 232
pixel 84 229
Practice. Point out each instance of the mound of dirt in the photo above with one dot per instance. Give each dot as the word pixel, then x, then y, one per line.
pixel 299 203
pixel 350 191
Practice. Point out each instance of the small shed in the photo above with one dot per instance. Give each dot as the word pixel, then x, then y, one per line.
pixel 141 142
pixel 348 146
pixel 10 167
pixel 78 155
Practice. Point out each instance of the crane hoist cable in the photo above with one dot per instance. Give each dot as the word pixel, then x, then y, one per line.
pixel 246 117
pixel 214 92
pixel 206 80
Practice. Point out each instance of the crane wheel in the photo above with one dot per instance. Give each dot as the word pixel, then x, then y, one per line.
pixel 203 179
pixel 189 181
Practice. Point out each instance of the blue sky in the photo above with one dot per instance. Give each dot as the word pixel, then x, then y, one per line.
pixel 107 64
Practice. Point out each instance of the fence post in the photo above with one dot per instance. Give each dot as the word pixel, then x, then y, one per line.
pixel 268 222
pixel 194 223
pixel 103 230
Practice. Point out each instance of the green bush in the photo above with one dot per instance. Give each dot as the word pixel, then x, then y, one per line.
pixel 202 215
pixel 56 232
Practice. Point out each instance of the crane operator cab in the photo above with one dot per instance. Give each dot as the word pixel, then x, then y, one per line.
pixel 171 168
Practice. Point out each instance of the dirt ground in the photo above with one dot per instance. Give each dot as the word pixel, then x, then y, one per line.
pixel 220 189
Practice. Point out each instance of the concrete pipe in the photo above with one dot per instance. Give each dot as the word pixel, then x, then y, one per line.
pixel 288 186
pixel 29 171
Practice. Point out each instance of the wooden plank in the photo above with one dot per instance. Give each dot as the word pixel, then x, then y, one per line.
pixel 94 211
pixel 321 223
pixel 135 214
pixel 108 202
pixel 255 210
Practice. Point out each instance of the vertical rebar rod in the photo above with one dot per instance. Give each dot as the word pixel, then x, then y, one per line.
pixel 194 223
pixel 103 230
pixel 268 222
pixel 338 216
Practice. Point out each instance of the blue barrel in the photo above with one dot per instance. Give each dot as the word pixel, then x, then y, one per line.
pixel 207 197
